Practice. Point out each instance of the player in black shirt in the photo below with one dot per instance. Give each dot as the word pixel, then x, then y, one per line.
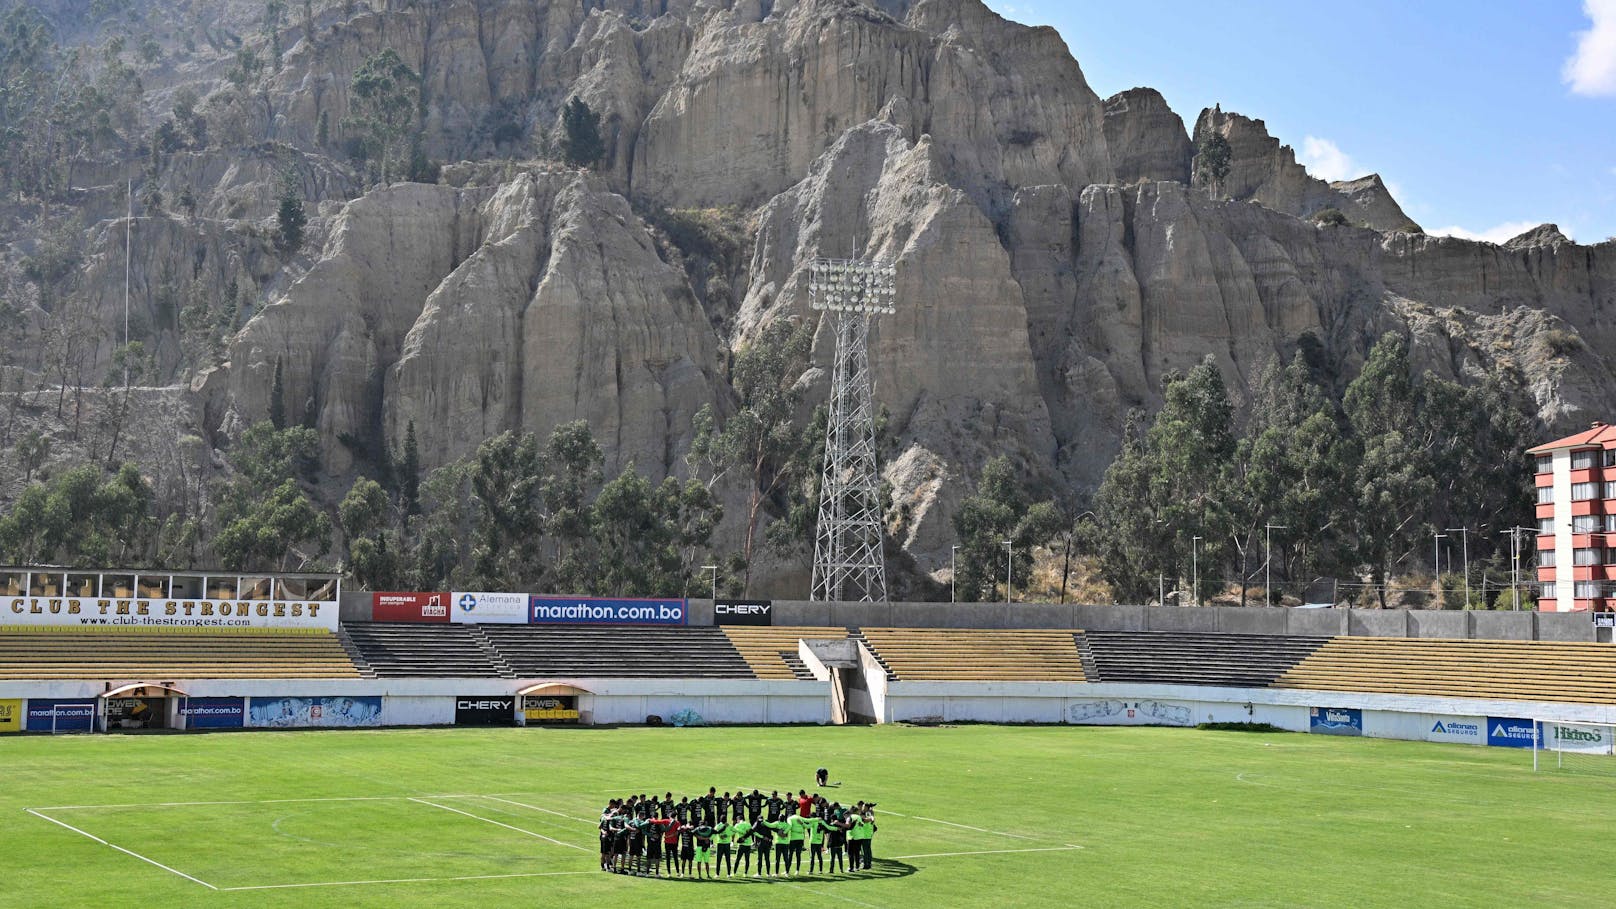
pixel 721 805
pixel 687 850
pixel 667 805
pixel 737 807
pixel 754 806
pixel 681 811
pixel 762 840
pixel 774 805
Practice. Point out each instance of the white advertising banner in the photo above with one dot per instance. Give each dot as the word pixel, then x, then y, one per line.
pixel 1463 730
pixel 486 608
pixel 157 613
pixel 1581 739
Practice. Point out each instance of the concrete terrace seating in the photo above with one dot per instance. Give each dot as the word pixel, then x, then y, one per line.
pixel 771 651
pixel 166 654
pixel 1507 670
pixel 405 650
pixel 618 651
pixel 968 654
pixel 1191 658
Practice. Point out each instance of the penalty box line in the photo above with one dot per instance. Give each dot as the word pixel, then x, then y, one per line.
pixel 486 820
pixel 149 861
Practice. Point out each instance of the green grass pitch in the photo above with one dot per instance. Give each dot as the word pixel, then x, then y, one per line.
pixel 969 816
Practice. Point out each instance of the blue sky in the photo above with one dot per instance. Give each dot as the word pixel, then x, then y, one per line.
pixel 1486 118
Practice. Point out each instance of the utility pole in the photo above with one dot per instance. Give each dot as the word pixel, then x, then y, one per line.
pixel 1195 568
pixel 1464 537
pixel 953 573
pixel 1268 560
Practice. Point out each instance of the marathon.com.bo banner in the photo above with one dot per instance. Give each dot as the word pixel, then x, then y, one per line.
pixel 598 611
pixel 478 607
pixel 485 710
pixel 743 612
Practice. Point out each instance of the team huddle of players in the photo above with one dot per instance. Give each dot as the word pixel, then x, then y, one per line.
pixel 719 834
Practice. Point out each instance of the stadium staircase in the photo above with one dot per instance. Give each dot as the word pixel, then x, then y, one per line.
pixel 961 654
pixel 618 651
pixel 857 634
pixel 405 650
pixel 1189 658
pixel 1583 673
pixel 154 654
pixel 771 651
pixel 348 646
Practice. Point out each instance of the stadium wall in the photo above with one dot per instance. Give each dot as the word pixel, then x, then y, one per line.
pixel 1526 625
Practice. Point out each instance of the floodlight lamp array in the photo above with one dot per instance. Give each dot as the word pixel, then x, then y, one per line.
pixel 852 285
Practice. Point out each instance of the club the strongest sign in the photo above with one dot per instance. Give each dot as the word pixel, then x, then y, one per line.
pixel 155 613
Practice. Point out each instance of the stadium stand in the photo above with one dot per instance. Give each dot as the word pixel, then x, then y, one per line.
pixel 172 653
pixel 771 651
pixel 618 651
pixel 1582 673
pixel 405 650
pixel 961 654
pixel 1183 658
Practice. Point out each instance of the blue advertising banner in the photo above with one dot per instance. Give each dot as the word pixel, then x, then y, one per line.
pixel 341 711
pixel 1335 720
pixel 594 611
pixel 62 716
pixel 1509 732
pixel 215 713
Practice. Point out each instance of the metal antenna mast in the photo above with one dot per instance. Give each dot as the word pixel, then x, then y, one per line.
pixel 849 564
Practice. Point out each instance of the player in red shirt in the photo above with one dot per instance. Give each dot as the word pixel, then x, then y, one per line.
pixel 670 844
pixel 805 805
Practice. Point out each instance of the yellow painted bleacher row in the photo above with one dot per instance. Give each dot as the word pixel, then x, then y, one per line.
pixel 172 654
pixel 761 646
pixel 1506 670
pixel 969 654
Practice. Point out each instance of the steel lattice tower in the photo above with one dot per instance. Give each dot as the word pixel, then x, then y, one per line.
pixel 849 563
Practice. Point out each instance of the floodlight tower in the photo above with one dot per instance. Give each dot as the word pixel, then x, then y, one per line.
pixel 848 561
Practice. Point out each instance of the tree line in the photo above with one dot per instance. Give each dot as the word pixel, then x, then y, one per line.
pixel 1350 489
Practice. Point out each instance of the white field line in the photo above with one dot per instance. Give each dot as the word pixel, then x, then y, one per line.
pixel 502 824
pixel 344 798
pixel 581 820
pixel 402 880
pixel 137 855
pixel 845 899
pixel 965 826
pixel 1066 848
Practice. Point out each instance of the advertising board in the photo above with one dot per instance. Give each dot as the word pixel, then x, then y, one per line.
pixel 1129 713
pixel 398 606
pixel 60 716
pixel 158 613
pixel 10 715
pixel 1510 732
pixel 1463 730
pixel 1335 720
pixel 598 611
pixel 485 710
pixel 550 709
pixel 342 711
pixel 215 713
pixel 743 612
pixel 479 607
pixel 1581 739
pixel 134 713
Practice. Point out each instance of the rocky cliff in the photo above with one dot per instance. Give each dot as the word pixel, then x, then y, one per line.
pixel 1058 255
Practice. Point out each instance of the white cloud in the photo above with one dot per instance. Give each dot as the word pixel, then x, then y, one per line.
pixel 1592 69
pixel 1325 160
pixel 1500 233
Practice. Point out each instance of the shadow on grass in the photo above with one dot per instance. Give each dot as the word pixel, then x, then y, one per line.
pixel 882 869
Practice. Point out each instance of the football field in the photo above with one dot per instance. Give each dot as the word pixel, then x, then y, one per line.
pixel 969 816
